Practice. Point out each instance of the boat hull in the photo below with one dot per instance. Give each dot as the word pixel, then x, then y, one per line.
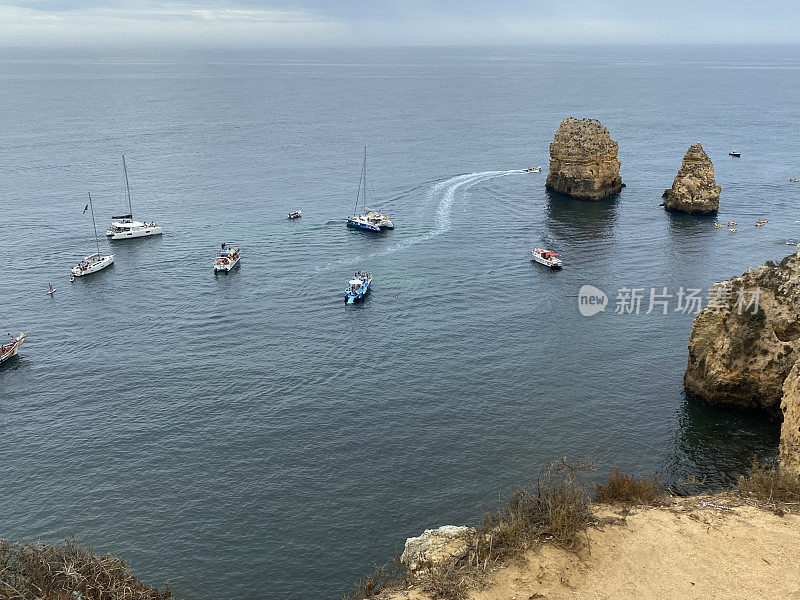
pixel 135 233
pixel 105 261
pixel 363 226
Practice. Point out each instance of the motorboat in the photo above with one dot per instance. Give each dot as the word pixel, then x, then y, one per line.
pixel 547 258
pixel 367 219
pixel 533 169
pixel 380 220
pixel 734 153
pixel 91 264
pixel 794 179
pixel 295 214
pixel 357 287
pixel 94 262
pixel 227 258
pixel 10 349
pixel 125 227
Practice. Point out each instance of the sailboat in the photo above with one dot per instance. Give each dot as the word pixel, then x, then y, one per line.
pixel 368 220
pixel 123 226
pixel 94 262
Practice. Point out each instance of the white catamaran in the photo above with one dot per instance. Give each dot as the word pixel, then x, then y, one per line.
pixel 94 262
pixel 368 220
pixel 123 226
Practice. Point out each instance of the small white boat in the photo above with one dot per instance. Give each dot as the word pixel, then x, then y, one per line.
pixel 10 349
pixel 533 169
pixel 124 227
pixel 91 264
pixel 295 214
pixel 547 258
pixel 94 262
pixel 227 258
pixel 734 153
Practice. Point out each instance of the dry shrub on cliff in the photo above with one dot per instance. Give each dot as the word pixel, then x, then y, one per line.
pixel 383 578
pixel 629 490
pixel 769 484
pixel 41 571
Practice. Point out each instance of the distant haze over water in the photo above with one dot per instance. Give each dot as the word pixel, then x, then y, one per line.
pixel 249 436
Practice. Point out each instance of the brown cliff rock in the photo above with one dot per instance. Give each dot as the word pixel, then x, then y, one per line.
pixel 583 161
pixel 790 429
pixel 738 358
pixel 694 190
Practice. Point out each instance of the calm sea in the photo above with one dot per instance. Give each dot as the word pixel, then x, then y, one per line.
pixel 249 436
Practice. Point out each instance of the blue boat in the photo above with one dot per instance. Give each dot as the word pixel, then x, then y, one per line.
pixel 357 287
pixel 361 222
pixel 367 220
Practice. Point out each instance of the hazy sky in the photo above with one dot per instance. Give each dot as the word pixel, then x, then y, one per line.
pixel 239 23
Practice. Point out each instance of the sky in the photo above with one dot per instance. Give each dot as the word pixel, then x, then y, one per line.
pixel 314 23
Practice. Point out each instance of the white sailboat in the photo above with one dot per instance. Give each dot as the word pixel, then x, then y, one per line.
pixel 369 219
pixel 94 262
pixel 124 227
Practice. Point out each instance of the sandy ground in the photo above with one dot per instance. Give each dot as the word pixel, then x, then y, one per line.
pixel 681 551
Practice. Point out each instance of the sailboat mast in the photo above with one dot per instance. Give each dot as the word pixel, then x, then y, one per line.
pixel 96 241
pixel 127 186
pixel 365 179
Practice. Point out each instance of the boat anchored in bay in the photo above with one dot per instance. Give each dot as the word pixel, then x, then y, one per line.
pixel 368 220
pixel 124 227
pixel 227 258
pixel 94 262
pixel 10 349
pixel 547 258
pixel 358 287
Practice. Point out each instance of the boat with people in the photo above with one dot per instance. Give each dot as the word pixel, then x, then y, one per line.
pixel 367 219
pixel 732 223
pixel 357 287
pixel 295 214
pixel 761 222
pixel 227 258
pixel 533 169
pixel 94 262
pixel 10 349
pixel 124 227
pixel 734 153
pixel 547 258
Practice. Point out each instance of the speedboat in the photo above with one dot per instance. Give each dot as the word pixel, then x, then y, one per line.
pixel 380 220
pixel 357 287
pixel 794 179
pixel 226 258
pixel 295 214
pixel 124 227
pixel 533 169
pixel 734 153
pixel 10 349
pixel 362 222
pixel 547 258
pixel 91 264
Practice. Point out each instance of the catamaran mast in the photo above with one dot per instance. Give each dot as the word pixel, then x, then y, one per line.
pixel 96 241
pixel 365 180
pixel 127 186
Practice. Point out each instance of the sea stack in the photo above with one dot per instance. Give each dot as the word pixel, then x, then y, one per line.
pixel 583 161
pixel 694 190
pixel 746 341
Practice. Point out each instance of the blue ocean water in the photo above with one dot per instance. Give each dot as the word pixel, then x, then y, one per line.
pixel 250 436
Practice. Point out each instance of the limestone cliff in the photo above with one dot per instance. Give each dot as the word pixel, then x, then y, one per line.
pixel 790 429
pixel 583 161
pixel 694 190
pixel 740 356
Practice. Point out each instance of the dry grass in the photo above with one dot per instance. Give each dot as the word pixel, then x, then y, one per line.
pixel 383 578
pixel 629 490
pixel 768 484
pixel 69 572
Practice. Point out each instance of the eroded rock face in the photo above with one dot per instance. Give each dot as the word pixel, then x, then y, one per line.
pixel 790 429
pixel 583 161
pixel 742 360
pixel 435 546
pixel 694 190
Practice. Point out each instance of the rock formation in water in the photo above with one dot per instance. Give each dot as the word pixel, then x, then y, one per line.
pixel 740 356
pixel 434 547
pixel 583 161
pixel 694 190
pixel 789 457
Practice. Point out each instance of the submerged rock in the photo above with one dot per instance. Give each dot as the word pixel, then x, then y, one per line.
pixel 694 190
pixel 435 546
pixel 583 161
pixel 740 356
